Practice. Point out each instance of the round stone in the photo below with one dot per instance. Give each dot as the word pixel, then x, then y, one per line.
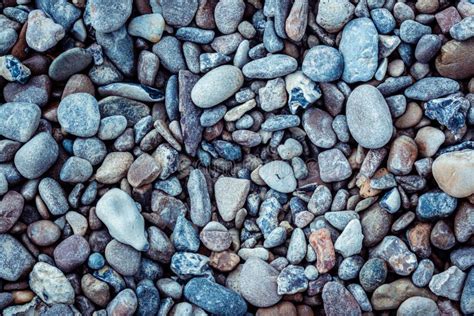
pixel 76 170
pixel 454 59
pixel 217 86
pixel 279 176
pixel 69 63
pixel 44 233
pixel 79 115
pixel 323 64
pixel 91 149
pixel 19 120
pixel 112 127
pixel 122 258
pixel 71 253
pixel 334 14
pixel 428 140
pixel 368 117
pixel 37 91
pixel 228 14
pixel 418 305
pixel 42 33
pixel 373 274
pixel 147 26
pixel 109 15
pixel 318 127
pixel 454 172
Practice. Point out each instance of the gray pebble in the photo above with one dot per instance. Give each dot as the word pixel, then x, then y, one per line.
pixel 35 157
pixel 323 64
pixel 112 127
pixel 118 47
pixel 91 149
pixel 228 14
pixel 53 196
pixel 427 47
pixel 168 49
pixel 411 31
pixel 270 67
pixel 19 120
pixel 79 115
pixel 69 63
pixel 76 170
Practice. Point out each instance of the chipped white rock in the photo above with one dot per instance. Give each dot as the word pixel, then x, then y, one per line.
pixel 302 91
pixel 118 211
pixel 51 285
pixel 231 194
pixel 279 176
pixel 349 243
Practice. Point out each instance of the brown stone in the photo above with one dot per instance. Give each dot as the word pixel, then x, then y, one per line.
pixel 20 49
pixel 304 310
pixel 419 239
pixel 447 18
pixel 322 244
pixel 205 14
pixel 224 261
pixel 442 236
pixel 411 117
pixel 454 173
pixel 464 222
pixel 23 296
pixel 339 301
pixel 11 208
pixel 429 139
pixel 71 253
pixel 143 170
pixel 114 167
pixel 78 83
pixel 297 20
pixel 455 59
pixel 281 309
pixel 427 6
pixel 402 155
pixel 95 290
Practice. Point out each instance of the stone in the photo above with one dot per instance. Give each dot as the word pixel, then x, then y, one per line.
pixel 322 244
pixel 179 13
pixel 462 222
pixel 69 63
pixel 449 111
pixel 350 241
pixel 143 170
pixel 188 264
pixel 462 30
pixel 122 258
pixel 447 18
pixel 147 26
pixel 95 290
pixel 360 57
pixel 467 294
pixel 36 156
pixel 190 127
pixel 435 205
pixel 374 129
pixel 423 273
pixel 270 67
pixel 338 300
pixel 333 166
pixel 427 48
pixel 169 51
pixel 230 194
pixel 37 91
pixel 117 210
pixel 13 70
pixel 448 283
pixel 340 219
pixel 11 208
pixel 402 155
pixel 383 20
pixel 118 47
pixel 62 11
pixel 297 247
pixel 279 176
pixel 215 237
pixel 185 236
pixel 280 122
pixel 112 127
pixel 323 64
pixel 320 201
pixel 114 167
pixel 92 149
pixel 292 280
pixel 373 274
pixel 109 16
pixel 124 303
pixel 79 114
pixel 258 283
pixel 394 251
pixel 333 15
pixel 273 96
pixel 228 14
pixel 200 203
pixel 217 86
pixel 76 170
pixel 214 298
pixel 15 260
pixel 428 140
pixel 71 253
pixel 53 196
pixel 42 33
pixel 132 91
pixel 301 90
pixel 349 267
pixel 318 126
pixel 51 285
pixel 430 88
pixel 19 120
pixel 8 39
pixel 417 304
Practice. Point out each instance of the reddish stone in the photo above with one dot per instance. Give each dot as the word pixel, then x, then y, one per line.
pixel 447 18
pixel 322 244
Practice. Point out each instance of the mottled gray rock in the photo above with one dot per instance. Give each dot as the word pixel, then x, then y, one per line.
pixel 448 283
pixel 50 284
pixel 42 33
pixel 36 156
pixel 463 30
pixel 292 280
pixel 270 67
pixel 37 91
pixel 19 120
pixel 179 13
pixel 108 16
pixel 279 176
pixel 431 88
pixel 418 305
pixel 333 166
pixel 200 203
pixel 168 49
pixel 334 14
pixel 76 170
pixel 411 31
pixel 297 247
pixel 228 14
pixel 395 252
pixel 79 114
pixel 118 46
pixel 15 260
pixel 323 64
pixel 69 63
pixel 350 241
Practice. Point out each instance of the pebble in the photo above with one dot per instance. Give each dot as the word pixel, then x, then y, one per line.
pixel 69 63
pixel 19 120
pixel 302 91
pixel 297 247
pixel 270 67
pixel 179 13
pixel 184 236
pixel 200 204
pixel 148 26
pixel 91 149
pixel 95 290
pixel 411 31
pixel 373 274
pixel 125 303
pixel 394 251
pixel 360 296
pixel 280 122
pixel 332 15
pixel 427 48
pixel 350 241
pixel 62 11
pixel 76 170
pixel 258 283
pixel 127 226
pixel 112 127
pixel 13 70
pixel 462 30
pixel 273 96
pixel 108 16
pixel 228 14
pixel 187 264
pixel 467 294
pixel 122 258
pixel 402 155
pixel 37 91
pixel 418 304
pixel 322 244
pixel 214 298
pixel 349 267
pixel 279 176
pixel 114 167
pixel 71 253
pixel 51 285
pixel 143 170
pixel 79 114
pixel 435 205
pixel 168 49
pixel 448 283
pixel 318 126
pixel 42 33
pixel 448 111
pixel 423 273
pixel 338 300
pixel 431 88
pixel 215 237
pixel 11 208
pixel 35 157
pixel 118 47
pixel 360 57
pixel 323 64
pixel 428 140
pixel 230 194
pixel 292 280
pixel 15 260
pixel 8 39
pixel 333 166
pixel 132 91
pixel 370 131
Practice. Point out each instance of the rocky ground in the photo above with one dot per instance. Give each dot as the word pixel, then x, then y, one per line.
pixel 230 157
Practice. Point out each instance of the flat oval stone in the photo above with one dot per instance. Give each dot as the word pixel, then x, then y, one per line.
pixel 368 117
pixel 359 47
pixel 79 114
pixel 454 173
pixel 44 232
pixel 36 91
pixel 109 15
pixel 15 260
pixel 147 26
pixel 431 88
pixel 69 63
pixel 19 120
pixel 71 253
pixel 318 126
pixel 36 156
pixel 50 284
pixel 323 64
pixel 217 86
pixel 279 176
pixel 270 67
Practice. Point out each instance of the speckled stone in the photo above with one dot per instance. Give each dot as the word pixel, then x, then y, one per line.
pixel 35 157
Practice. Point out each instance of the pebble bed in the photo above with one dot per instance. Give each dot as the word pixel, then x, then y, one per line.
pixel 230 157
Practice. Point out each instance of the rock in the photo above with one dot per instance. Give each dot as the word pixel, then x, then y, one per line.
pixel 11 208
pixel 228 14
pixel 62 11
pixel 391 295
pixel 423 273
pixel 467 294
pixel 42 33
pixel 19 120
pixel 12 69
pixel 280 122
pixel 79 114
pixel 411 31
pixel 161 248
pixel 322 244
pixel 279 176
pixel 431 88
pixel 427 47
pixel 118 47
pixel 200 203
pixel 302 91
pixel 71 253
pixel 394 251
pixel 215 237
pixel 375 223
pixel 132 91
pixel 185 236
pixel 349 267
pixel 333 15
pixel 416 305
pixel 449 111
pixel 338 300
pixel 190 127
pixel 50 284
pixel 95 290
pixel 318 126
pixel 109 16
pixel 125 303
pixel 53 196
pixel 37 91
pixel 217 86
pixel 36 156
pixel 230 194
pixel 383 20
pixel 114 167
pixel 428 140
pixel 435 205
pixel 258 283
pixel 452 61
pixel 374 129
pixel 333 166
pixel 448 283
pixel 8 39
pixel 143 170
pixel 92 149
pixel 373 274
pixel 462 30
pixel 122 258
pixel 15 260
pixel 350 241
pixel 323 63
pixel 179 13
pixel 462 222
pixel 270 67
pixel 402 155
pixel 449 179
pixel 283 308
pixel 76 170
pixel 118 212
pixel 188 264
pixel 360 58
pixel 112 127
pixel 168 49
pixel 69 63
pixel 273 96
pixel 297 246
pixel 292 280
pixel 320 201
pixel 360 296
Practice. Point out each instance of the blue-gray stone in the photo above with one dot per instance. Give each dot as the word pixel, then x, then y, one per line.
pixel 427 48
pixel 111 277
pixel 17 14
pixel 214 298
pixel 411 31
pixel 228 150
pixel 179 13
pixel 271 41
pixel 91 149
pixel 407 53
pixel 431 88
pixel 449 111
pixel 53 196
pixel 15 260
pixel 35 157
pixel 435 205
pixel 394 84
pixel 12 69
pixel 270 67
pixel 133 110
pixel 423 273
pixel 109 15
pixel 323 64
pixel 195 35
pixel 244 122
pixel 280 122
pixel 142 128
pixel 168 49
pixel 208 61
pixel 267 220
pixel 78 114
pixel 96 261
pixel 149 269
pixel 349 268
pixel 170 186
pixel 185 237
pixel 171 98
pixel 467 296
pixel 373 274
pixel 134 91
pixel 148 298
pixel 8 38
pixel 292 280
pixel 118 46
pixel 359 47
pixel 188 264
pixel 463 30
pixel 75 170
pixel 383 20
pixel 463 257
pixel 19 120
pixel 61 11
pixel 69 63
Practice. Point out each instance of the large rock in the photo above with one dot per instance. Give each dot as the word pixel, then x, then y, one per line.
pixel 454 172
pixel 368 117
pixel 15 260
pixel 359 47
pixel 19 120
pixel 51 285
pixel 455 60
